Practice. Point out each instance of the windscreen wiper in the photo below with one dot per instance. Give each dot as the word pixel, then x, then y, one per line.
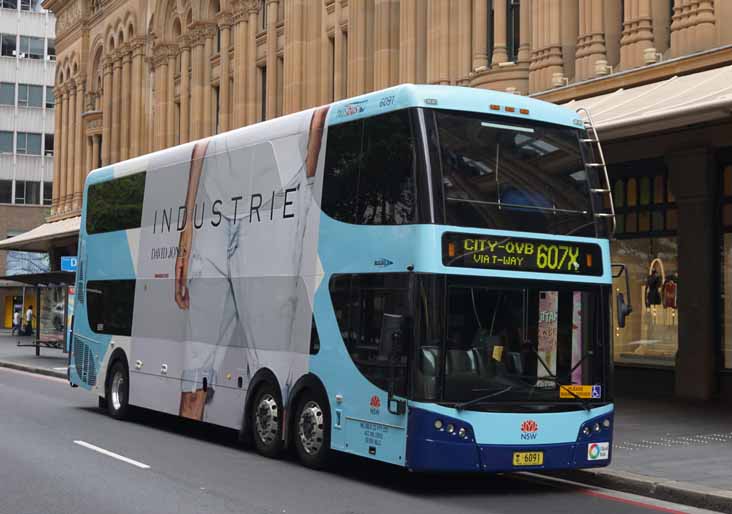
pixel 461 406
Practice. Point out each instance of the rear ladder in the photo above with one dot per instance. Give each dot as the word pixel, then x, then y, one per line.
pixel 605 192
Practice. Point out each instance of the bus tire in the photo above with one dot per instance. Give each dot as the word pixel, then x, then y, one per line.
pixel 311 432
pixel 266 421
pixel 118 390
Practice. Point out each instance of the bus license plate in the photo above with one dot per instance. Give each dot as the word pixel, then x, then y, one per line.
pixel 528 458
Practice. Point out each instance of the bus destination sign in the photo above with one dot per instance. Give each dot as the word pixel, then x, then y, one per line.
pixel 521 254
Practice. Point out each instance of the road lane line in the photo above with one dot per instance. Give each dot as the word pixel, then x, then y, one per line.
pixel 112 454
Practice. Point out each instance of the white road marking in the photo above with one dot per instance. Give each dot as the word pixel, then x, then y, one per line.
pixel 112 454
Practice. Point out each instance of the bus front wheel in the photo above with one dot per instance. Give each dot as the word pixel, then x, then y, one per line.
pixel 267 421
pixel 312 430
pixel 118 390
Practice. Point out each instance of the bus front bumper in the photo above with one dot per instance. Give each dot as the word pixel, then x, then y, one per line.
pixel 439 450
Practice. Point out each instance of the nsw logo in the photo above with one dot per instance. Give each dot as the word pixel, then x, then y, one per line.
pixel 598 451
pixel 375 403
pixel 529 430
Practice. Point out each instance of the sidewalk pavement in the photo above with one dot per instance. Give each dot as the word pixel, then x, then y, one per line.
pixel 51 362
pixel 666 449
pixel 671 450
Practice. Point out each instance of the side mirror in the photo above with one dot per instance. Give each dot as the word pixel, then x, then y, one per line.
pixel 623 309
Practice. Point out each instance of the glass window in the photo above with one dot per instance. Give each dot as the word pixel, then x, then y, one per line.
pixel 115 204
pixel 20 191
pixel 6 141
pixel 28 143
pixel 369 309
pixel 511 174
pixel 47 193
pixel 27 192
pixel 50 98
pixel 52 48
pixel 726 263
pixel 9 4
pixel 6 191
pixel 30 95
pixel 513 26
pixel 32 47
pixel 7 93
pixel 7 45
pixel 370 171
pixel 109 306
pixel 48 144
pixel 650 335
pixel 25 5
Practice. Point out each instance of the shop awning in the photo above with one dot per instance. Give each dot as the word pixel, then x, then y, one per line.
pixel 675 102
pixel 41 238
pixel 52 278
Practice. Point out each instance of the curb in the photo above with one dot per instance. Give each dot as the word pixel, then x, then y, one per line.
pixel 669 490
pixel 33 369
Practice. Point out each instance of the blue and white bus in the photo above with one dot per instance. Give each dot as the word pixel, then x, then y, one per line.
pixel 419 275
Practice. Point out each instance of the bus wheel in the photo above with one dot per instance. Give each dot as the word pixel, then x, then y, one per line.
pixel 312 430
pixel 267 421
pixel 118 390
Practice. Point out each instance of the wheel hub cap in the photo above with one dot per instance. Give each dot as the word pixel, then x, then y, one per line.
pixel 117 383
pixel 267 419
pixel 310 427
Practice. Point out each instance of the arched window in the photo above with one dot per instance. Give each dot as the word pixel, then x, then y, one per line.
pixel 513 28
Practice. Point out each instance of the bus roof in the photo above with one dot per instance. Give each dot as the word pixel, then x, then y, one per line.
pixel 403 96
pixel 456 98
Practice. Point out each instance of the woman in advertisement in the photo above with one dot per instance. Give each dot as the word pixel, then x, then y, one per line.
pixel 223 278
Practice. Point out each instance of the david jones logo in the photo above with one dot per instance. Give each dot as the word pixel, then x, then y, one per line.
pixel 529 429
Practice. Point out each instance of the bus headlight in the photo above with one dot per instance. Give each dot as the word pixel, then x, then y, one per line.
pixel 438 424
pixel 462 433
pixel 596 427
pixel 586 430
pixel 606 423
pixel 450 428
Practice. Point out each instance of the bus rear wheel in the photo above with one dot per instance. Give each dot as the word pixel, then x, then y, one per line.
pixel 312 430
pixel 118 390
pixel 266 418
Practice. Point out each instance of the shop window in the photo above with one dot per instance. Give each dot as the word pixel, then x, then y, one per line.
pixel 726 263
pixel 646 245
pixel 7 93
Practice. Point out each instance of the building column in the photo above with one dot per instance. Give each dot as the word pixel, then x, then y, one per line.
pixel 185 90
pixel 170 128
pixel 95 152
pixel 125 111
pixel 524 51
pixel 57 154
pixel 78 145
pixel 500 53
pixel 693 178
pixel 161 97
pixel 88 159
pixel 137 93
pixel 240 77
pixel 62 142
pixel 225 116
pixel 480 35
pixel 407 43
pixel 116 106
pixel 208 124
pixel 70 146
pixel 107 113
pixel 251 66
pixel 271 92
pixel 196 117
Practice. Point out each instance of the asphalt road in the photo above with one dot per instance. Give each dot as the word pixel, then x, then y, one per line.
pixel 48 466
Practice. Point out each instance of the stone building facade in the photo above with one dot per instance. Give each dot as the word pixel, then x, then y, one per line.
pixel 136 76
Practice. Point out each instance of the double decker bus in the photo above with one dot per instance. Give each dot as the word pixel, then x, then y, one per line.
pixel 419 275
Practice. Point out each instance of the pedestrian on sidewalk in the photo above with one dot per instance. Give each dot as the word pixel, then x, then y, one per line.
pixel 16 323
pixel 29 321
